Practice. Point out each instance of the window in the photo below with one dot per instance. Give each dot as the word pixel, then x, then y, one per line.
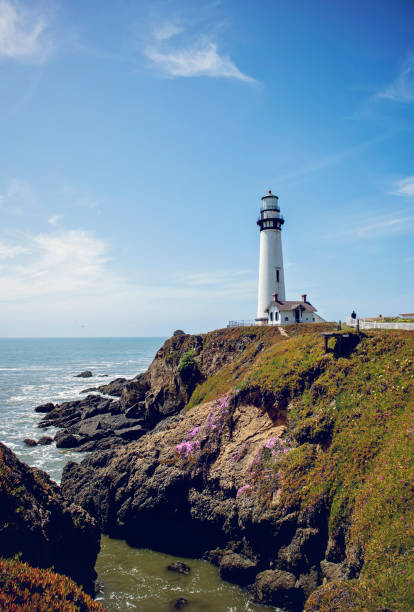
pixel 277 275
pixel 276 316
pixel 271 316
pixel 286 318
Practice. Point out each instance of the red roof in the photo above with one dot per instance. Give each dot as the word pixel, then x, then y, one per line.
pixel 291 305
pixel 407 314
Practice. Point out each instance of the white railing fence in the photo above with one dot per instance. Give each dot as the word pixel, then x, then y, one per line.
pixel 364 324
pixel 240 323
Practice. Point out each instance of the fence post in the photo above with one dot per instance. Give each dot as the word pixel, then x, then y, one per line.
pixel 357 326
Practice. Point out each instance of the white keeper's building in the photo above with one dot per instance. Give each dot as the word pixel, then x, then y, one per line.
pixel 273 308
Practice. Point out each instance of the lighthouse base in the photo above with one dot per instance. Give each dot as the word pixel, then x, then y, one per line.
pixel 261 321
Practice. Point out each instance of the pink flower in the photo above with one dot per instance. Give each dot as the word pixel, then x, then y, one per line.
pixel 243 490
pixel 270 443
pixel 193 433
pixel 185 448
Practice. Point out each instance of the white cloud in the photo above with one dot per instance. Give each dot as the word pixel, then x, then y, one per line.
pixel 216 282
pixel 199 59
pixel 331 160
pixel 24 33
pixel 56 264
pixel 402 89
pixel 167 31
pixel 55 220
pixel 404 187
pixel 377 226
pixel 9 251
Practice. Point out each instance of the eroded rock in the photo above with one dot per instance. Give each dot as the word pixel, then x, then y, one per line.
pixel 278 588
pixel 38 523
pixel 179 567
pixel 238 569
pixel 45 407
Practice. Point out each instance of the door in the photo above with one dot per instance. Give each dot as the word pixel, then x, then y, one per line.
pixel 297 315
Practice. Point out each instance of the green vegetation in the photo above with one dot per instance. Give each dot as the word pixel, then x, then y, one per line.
pixel 187 360
pixel 352 420
pixel 26 588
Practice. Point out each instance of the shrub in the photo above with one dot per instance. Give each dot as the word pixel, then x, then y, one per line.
pixel 26 588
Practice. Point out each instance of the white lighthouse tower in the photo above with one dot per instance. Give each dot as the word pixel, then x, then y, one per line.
pixel 271 275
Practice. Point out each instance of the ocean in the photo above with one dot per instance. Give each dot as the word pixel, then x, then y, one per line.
pixel 34 371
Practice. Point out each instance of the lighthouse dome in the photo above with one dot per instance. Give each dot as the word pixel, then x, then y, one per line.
pixel 270 201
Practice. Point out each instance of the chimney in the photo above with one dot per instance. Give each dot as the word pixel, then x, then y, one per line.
pixel 275 297
pixel 304 297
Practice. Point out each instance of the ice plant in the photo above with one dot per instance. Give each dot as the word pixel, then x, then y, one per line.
pixel 216 421
pixel 193 432
pixel 264 471
pixel 242 490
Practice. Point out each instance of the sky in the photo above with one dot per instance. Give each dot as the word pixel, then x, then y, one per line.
pixel 137 138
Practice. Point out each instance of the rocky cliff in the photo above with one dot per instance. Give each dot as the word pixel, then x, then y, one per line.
pixel 269 457
pixel 41 527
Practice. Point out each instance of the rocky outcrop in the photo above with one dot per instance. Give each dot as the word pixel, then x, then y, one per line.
pixel 99 422
pixel 40 525
pixel 178 489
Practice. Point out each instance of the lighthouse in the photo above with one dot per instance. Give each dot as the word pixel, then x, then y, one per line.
pixel 271 275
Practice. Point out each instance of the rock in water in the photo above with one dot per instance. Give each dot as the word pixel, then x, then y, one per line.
pixel 30 442
pixel 180 603
pixel 45 440
pixel 238 569
pixel 84 374
pixel 179 567
pixel 38 523
pixel 45 407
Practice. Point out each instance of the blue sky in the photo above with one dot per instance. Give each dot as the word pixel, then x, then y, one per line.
pixel 138 137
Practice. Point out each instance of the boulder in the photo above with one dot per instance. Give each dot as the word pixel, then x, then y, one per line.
pixel 136 410
pixel 179 332
pixel 180 603
pixel 84 374
pixel 238 569
pixel 278 588
pixel 64 439
pixel 45 407
pixel 30 442
pixel 179 567
pixel 130 433
pixel 114 387
pixel 45 440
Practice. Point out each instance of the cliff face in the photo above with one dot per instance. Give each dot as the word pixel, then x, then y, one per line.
pixel 38 524
pixel 273 460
